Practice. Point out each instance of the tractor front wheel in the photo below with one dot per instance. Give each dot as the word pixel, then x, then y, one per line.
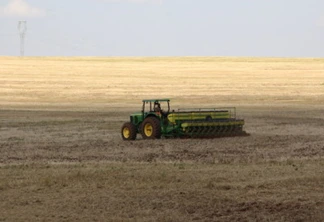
pixel 128 131
pixel 151 128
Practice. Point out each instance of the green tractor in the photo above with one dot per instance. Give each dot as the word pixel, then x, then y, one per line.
pixel 156 120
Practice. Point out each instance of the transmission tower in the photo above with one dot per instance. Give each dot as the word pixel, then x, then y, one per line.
pixel 22 27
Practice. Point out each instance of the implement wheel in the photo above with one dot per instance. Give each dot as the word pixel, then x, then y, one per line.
pixel 128 131
pixel 151 128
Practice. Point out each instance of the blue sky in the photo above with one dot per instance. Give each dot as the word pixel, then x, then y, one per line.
pixel 267 28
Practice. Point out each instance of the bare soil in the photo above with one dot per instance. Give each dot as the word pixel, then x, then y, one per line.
pixel 59 136
pixel 63 166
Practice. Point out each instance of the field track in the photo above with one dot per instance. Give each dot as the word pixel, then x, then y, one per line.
pixel 62 157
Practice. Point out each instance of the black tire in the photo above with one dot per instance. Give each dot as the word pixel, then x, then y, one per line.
pixel 151 128
pixel 128 131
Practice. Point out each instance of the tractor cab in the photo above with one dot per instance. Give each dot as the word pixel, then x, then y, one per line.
pixel 156 107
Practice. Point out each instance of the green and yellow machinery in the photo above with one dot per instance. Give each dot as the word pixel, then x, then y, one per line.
pixel 157 120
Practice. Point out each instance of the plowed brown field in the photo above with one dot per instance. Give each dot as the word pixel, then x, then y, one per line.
pixel 62 157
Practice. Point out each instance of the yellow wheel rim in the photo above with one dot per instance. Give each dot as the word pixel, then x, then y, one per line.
pixel 148 129
pixel 126 132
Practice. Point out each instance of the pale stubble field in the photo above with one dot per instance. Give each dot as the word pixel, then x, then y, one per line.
pixel 62 157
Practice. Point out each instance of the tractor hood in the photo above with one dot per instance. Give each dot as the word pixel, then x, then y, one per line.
pixel 136 118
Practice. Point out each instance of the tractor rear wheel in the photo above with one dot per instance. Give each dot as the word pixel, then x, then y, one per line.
pixel 151 128
pixel 128 131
